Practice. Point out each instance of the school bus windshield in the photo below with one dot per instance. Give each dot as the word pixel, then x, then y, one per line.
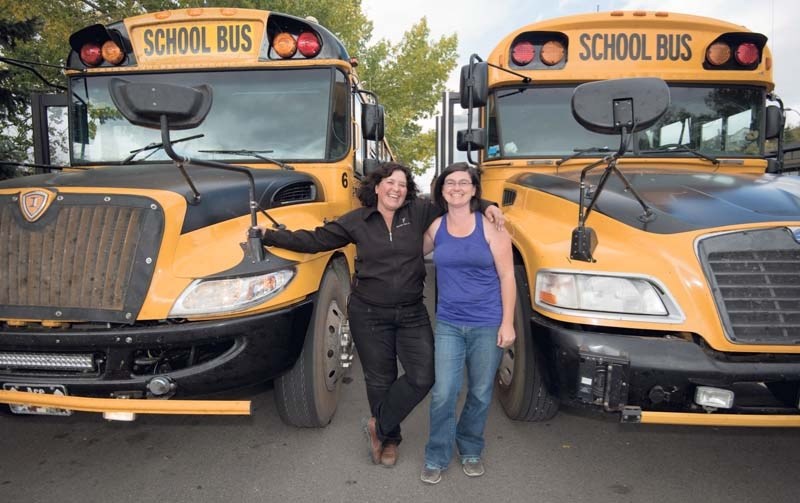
pixel 717 121
pixel 290 115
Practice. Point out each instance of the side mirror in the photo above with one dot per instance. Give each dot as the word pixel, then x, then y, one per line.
pixel 774 124
pixel 372 121
pixel 475 77
pixel 144 103
pixel 620 105
pixel 471 139
pixel 370 165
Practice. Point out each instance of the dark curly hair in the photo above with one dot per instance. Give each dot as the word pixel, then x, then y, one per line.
pixel 366 193
pixel 474 175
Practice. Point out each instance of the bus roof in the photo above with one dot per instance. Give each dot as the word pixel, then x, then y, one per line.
pixel 632 44
pixel 203 37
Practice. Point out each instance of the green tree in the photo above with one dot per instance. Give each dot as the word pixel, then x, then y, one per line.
pixel 410 77
pixel 407 76
pixel 791 134
pixel 38 30
pixel 12 101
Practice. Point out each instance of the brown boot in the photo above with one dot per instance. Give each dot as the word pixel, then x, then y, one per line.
pixel 374 444
pixel 389 456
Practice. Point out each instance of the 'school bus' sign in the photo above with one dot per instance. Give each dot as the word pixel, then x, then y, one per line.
pixel 222 38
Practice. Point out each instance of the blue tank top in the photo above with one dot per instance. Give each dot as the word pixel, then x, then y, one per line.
pixel 467 281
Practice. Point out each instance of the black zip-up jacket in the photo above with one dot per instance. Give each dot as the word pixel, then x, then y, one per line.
pixel 390 267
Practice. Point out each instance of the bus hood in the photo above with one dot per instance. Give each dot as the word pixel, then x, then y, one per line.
pixel 223 194
pixel 681 201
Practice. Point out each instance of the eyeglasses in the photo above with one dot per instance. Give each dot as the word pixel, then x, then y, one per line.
pixel 461 183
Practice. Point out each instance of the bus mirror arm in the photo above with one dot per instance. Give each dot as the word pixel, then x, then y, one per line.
pixel 29 66
pixel 525 79
pixel 254 247
pixel 180 161
pixel 584 239
pixel 275 223
pixel 617 106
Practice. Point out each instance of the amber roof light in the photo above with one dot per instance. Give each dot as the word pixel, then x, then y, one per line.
pixel 718 53
pixel 285 45
pixel 552 52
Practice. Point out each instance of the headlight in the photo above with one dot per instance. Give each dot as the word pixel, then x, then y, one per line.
pixel 228 295
pixel 614 296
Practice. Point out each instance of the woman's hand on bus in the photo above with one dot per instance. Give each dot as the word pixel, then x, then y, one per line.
pixel 495 215
pixel 506 335
pixel 261 229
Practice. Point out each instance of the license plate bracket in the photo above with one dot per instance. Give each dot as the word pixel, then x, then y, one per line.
pixel 43 389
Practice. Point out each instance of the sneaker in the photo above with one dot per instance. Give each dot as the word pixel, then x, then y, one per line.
pixel 473 468
pixel 431 475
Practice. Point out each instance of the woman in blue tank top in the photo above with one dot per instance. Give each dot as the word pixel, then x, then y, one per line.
pixel 474 320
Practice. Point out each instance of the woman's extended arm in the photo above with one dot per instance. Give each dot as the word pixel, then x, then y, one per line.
pixel 490 210
pixel 500 245
pixel 326 237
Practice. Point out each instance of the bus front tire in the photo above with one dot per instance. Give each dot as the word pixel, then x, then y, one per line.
pixel 307 395
pixel 521 387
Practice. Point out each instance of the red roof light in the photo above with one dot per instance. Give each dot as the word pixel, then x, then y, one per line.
pixel 308 44
pixel 91 54
pixel 522 53
pixel 747 54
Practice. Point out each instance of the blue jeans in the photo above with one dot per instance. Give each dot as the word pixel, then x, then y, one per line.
pixel 454 346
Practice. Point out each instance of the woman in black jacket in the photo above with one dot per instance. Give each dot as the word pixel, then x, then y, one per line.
pixel 388 319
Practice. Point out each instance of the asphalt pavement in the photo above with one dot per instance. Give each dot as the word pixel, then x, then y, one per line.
pixel 571 458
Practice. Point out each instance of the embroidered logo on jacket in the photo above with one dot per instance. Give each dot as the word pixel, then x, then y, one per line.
pixel 403 222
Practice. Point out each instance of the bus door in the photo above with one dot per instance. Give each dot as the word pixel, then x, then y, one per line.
pixel 50 129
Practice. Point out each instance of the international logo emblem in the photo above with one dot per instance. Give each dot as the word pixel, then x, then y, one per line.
pixel 34 203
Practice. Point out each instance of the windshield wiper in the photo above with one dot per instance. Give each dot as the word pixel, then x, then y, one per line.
pixel 251 153
pixel 580 152
pixel 40 166
pixel 676 148
pixel 155 147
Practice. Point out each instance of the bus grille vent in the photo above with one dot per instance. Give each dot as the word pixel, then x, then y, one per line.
pixel 89 258
pixel 755 278
pixel 509 196
pixel 295 193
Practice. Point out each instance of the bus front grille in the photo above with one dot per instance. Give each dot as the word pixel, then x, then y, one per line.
pixel 755 277
pixel 89 257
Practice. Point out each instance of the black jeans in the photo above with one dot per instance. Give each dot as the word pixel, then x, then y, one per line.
pixel 382 335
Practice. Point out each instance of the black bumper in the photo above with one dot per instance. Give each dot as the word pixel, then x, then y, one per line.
pixel 248 349
pixel 658 372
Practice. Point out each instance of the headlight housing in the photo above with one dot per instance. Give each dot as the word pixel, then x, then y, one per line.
pixel 214 296
pixel 606 296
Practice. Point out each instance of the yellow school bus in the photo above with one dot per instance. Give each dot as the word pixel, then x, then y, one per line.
pixel 130 275
pixel 658 273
